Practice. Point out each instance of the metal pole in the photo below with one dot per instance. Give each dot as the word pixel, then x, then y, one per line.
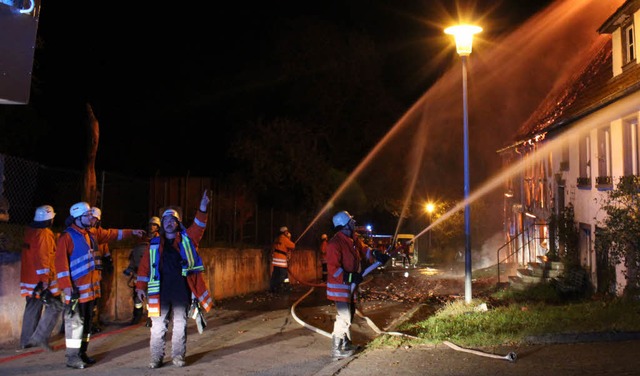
pixel 467 211
pixel 429 247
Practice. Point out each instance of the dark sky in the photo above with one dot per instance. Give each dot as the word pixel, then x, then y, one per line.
pixel 170 84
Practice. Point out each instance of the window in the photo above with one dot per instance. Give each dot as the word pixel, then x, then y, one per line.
pixel 584 178
pixel 629 46
pixel 604 151
pixel 630 156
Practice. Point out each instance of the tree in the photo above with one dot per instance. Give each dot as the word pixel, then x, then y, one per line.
pixel 566 238
pixel 89 193
pixel 283 163
pixel 617 235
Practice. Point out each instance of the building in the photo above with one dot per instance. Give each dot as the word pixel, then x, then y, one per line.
pixel 575 148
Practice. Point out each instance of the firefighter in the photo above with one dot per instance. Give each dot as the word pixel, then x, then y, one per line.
pixel 171 274
pixel 346 259
pixel 38 282
pixel 280 254
pixel 79 280
pixel 131 271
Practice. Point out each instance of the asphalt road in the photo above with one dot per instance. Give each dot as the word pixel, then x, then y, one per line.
pixel 287 334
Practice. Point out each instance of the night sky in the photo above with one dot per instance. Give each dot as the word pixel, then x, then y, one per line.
pixel 173 85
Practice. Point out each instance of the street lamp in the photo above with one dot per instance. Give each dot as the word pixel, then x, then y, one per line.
pixel 429 207
pixel 463 35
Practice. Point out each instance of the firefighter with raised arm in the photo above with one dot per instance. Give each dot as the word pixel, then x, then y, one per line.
pixel 170 276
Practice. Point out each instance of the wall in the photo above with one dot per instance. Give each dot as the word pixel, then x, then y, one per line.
pixel 229 272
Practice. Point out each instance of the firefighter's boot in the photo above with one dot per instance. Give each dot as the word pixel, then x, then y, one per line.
pixel 74 360
pixel 337 349
pixel 137 315
pixel 83 353
pixel 348 346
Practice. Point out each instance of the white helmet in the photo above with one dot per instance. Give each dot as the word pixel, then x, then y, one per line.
pixel 155 221
pixel 96 212
pixel 79 208
pixel 341 218
pixel 44 213
pixel 284 229
pixel 172 213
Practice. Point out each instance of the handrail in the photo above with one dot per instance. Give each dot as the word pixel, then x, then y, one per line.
pixel 524 245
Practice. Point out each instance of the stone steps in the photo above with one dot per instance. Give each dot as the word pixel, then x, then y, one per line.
pixel 535 273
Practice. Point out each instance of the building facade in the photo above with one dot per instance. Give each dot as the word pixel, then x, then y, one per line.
pixel 576 147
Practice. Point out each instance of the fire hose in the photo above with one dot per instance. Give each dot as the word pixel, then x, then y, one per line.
pixel 358 312
pixel 511 356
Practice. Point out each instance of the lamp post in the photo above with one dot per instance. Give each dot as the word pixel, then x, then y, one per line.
pixel 463 35
pixel 429 207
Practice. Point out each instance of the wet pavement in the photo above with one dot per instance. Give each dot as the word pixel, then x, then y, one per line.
pixel 288 334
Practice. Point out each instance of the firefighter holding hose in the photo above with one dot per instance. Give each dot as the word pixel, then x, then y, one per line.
pixel 346 263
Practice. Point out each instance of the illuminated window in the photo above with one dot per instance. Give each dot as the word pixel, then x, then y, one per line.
pixel 584 153
pixel 630 157
pixel 604 151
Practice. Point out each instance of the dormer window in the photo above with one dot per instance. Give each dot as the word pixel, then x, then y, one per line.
pixel 629 44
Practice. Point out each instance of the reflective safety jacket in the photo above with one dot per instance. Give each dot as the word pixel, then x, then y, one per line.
pixel 75 264
pixel 282 248
pixel 37 262
pixel 344 256
pixel 186 242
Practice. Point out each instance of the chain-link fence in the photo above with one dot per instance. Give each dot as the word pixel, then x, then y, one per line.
pixel 235 219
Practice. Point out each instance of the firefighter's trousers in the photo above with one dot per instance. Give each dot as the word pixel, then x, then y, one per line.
pixel 160 326
pixel 344 317
pixel 77 328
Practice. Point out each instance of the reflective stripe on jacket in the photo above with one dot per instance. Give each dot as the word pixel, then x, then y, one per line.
pixel 344 256
pixel 37 261
pixel 282 248
pixel 149 269
pixel 73 265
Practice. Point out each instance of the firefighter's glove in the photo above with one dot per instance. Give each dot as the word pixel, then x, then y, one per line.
pixel 46 296
pixel 350 278
pixel 52 301
pixel 381 257
pixel 37 291
pixel 141 295
pixel 74 296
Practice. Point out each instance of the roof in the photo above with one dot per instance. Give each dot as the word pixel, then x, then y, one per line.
pixel 621 15
pixel 589 90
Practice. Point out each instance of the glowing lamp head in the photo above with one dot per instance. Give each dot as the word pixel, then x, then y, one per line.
pixel 429 207
pixel 463 34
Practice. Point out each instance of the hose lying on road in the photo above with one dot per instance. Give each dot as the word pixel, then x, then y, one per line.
pixel 320 331
pixel 312 328
pixel 326 334
pixel 510 356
